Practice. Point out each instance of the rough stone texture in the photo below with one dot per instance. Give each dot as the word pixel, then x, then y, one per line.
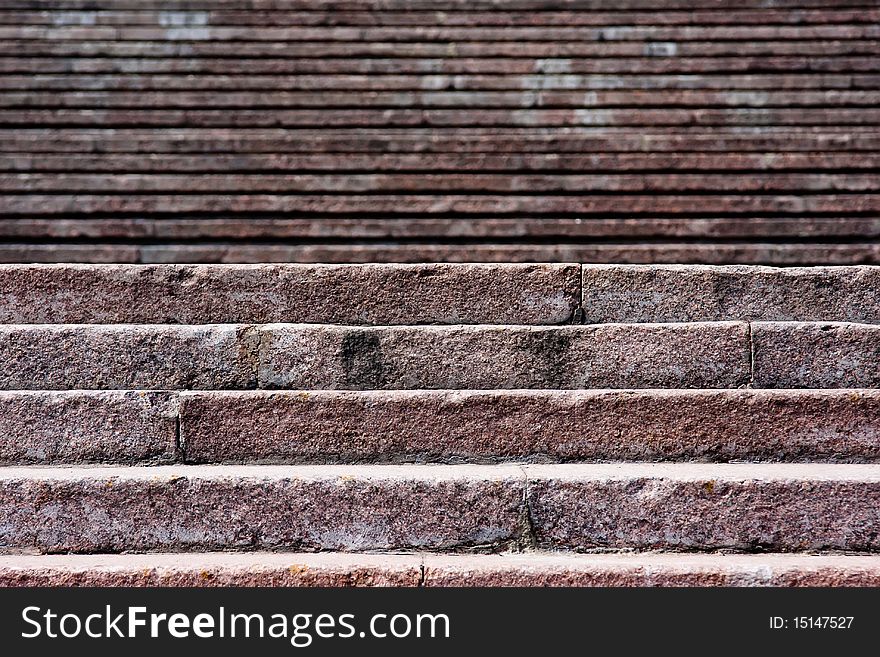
pixel 720 253
pixel 127 356
pixel 255 162
pixel 212 569
pixel 415 5
pixel 702 293
pixel 772 507
pixel 437 230
pixel 76 427
pixel 802 355
pixel 426 204
pixel 346 508
pixel 353 294
pixel 532 569
pixel 613 356
pixel 649 569
pixel 365 14
pixel 451 182
pixel 91 253
pixel 513 140
pixel 333 426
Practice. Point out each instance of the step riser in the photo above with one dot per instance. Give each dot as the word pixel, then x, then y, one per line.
pixel 584 425
pixel 371 294
pixel 681 507
pixel 815 355
pixel 652 513
pixel 346 427
pixel 685 356
pixel 443 294
pixel 77 427
pixel 337 511
pixel 704 355
pixel 695 293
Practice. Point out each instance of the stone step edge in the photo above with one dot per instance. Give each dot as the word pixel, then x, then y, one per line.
pixel 369 294
pixel 684 472
pixel 365 508
pixel 307 356
pixel 325 426
pixel 337 569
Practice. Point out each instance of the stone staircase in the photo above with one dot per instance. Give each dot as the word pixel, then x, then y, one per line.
pixel 439 424
pixel 605 131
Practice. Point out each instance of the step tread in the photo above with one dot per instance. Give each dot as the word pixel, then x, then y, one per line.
pixel 678 472
pixel 420 569
pixel 685 506
pixel 500 356
pixel 387 426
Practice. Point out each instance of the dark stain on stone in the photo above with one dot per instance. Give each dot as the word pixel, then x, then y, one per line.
pixel 551 348
pixel 362 360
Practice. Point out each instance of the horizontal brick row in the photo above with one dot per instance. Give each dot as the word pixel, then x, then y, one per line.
pixel 510 569
pixel 137 75
pixel 315 16
pixel 434 204
pixel 448 162
pixel 614 356
pixel 445 50
pixel 790 507
pixel 814 64
pixel 419 183
pixel 438 140
pixel 65 427
pixel 432 294
pixel 440 99
pixel 427 5
pixel 465 117
pixel 437 251
pixel 435 32
pixel 698 355
pixel 267 427
pixel 438 230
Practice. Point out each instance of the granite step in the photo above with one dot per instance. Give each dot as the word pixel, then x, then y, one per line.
pixel 679 506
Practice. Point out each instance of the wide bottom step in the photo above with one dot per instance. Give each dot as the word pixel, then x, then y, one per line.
pixel 523 569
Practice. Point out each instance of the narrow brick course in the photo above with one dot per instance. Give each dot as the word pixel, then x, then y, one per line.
pixel 234 252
